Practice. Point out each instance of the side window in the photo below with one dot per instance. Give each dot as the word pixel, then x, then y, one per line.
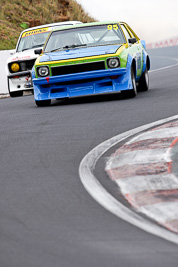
pixel 127 34
pixel 132 33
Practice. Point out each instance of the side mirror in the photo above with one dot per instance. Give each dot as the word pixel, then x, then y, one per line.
pixel 38 51
pixel 132 40
pixel 12 52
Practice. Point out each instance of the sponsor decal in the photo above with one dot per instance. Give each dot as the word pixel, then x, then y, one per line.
pixel 20 58
pixel 138 55
pixel 36 31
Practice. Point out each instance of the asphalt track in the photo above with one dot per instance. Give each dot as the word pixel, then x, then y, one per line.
pixel 47 217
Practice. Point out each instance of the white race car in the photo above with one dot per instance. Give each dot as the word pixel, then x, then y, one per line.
pixel 20 63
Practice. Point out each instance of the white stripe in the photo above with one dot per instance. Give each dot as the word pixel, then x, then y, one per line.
pixel 102 196
pixel 137 157
pixel 157 134
pixel 140 183
pixel 161 212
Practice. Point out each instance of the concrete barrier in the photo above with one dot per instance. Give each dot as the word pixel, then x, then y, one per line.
pixel 3 76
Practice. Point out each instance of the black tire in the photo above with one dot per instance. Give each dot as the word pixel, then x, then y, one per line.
pixel 16 94
pixel 43 103
pixel 132 92
pixel 143 83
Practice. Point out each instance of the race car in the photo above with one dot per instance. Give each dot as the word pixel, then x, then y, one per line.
pixel 90 58
pixel 20 64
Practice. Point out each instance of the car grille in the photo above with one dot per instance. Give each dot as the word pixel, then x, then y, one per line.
pixel 78 68
pixel 30 63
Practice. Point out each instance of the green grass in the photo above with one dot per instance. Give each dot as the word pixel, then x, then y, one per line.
pixel 16 15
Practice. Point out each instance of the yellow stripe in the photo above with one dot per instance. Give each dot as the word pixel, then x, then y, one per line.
pixel 81 58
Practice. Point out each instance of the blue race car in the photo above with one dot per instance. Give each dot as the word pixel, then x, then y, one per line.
pixel 90 58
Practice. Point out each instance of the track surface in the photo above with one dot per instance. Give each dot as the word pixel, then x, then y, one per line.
pixel 47 217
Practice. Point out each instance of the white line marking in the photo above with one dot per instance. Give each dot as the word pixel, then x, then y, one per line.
pixel 164 68
pixel 137 157
pixel 168 67
pixel 101 195
pixel 141 183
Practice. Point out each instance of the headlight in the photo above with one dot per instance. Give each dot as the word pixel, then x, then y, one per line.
pixel 15 67
pixel 43 71
pixel 23 66
pixel 113 63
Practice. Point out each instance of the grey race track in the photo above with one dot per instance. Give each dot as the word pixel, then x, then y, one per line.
pixel 47 219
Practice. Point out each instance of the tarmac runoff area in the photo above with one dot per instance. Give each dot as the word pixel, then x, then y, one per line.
pixel 146 172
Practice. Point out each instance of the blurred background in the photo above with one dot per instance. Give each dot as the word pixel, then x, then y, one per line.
pixel 152 20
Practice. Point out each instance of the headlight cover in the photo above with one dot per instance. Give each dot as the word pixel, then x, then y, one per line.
pixel 15 67
pixel 113 63
pixel 43 71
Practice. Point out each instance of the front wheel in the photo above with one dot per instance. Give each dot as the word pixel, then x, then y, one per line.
pixel 143 83
pixel 43 103
pixel 132 92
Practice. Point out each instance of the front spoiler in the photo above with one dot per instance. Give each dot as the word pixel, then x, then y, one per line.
pixel 85 83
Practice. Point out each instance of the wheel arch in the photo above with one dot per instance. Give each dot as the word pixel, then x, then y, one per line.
pixel 148 62
pixel 133 65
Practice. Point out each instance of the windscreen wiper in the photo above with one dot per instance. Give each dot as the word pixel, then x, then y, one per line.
pixel 68 46
pixel 73 46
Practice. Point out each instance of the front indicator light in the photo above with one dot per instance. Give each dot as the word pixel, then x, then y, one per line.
pixel 15 67
pixel 43 71
pixel 113 63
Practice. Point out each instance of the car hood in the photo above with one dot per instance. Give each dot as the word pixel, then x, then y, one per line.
pixel 79 53
pixel 25 55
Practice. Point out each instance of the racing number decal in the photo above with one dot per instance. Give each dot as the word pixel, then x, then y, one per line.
pixel 138 61
pixel 112 27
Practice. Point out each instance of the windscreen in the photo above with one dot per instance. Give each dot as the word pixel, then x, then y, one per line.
pixel 85 36
pixel 32 39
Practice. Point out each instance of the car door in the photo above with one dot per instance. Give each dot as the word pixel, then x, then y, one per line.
pixel 135 49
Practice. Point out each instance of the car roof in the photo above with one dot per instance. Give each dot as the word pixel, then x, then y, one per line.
pixel 55 24
pixel 87 24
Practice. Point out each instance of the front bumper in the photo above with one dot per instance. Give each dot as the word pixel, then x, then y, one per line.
pixel 85 83
pixel 20 82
